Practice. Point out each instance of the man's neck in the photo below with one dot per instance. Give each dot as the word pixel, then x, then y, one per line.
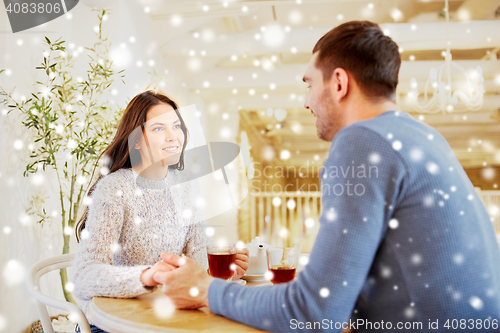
pixel 364 109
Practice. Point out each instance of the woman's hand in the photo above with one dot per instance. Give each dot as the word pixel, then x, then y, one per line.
pixel 147 275
pixel 241 263
pixel 178 284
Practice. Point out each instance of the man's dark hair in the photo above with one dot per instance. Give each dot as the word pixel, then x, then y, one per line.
pixel 363 50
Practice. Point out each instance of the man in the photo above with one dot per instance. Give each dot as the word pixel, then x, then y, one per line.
pixel 405 243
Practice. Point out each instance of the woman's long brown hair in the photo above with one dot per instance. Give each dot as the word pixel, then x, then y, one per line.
pixel 118 154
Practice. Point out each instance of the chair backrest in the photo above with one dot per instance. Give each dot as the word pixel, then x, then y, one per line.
pixel 41 300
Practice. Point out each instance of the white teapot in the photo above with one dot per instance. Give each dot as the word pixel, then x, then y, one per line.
pixel 257 263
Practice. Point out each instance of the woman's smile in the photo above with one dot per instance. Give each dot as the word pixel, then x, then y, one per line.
pixel 171 149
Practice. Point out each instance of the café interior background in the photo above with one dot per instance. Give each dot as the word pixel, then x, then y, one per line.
pixel 241 63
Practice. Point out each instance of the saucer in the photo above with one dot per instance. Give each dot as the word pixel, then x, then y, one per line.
pixel 254 278
pixel 240 282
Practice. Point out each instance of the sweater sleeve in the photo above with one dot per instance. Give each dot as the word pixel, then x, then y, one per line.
pixel 356 208
pixel 94 271
pixel 195 247
pixel 196 239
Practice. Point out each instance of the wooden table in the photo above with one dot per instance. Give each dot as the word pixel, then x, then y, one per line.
pixel 138 315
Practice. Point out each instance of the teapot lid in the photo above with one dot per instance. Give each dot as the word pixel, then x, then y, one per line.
pixel 255 243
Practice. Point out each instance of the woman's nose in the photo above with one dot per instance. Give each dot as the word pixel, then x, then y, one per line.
pixel 170 136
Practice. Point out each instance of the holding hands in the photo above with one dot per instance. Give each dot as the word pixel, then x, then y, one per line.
pixel 187 284
pixel 147 275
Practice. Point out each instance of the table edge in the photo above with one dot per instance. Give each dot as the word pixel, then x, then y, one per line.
pixel 119 325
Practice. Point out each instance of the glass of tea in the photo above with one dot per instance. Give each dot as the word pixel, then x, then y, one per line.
pixel 282 263
pixel 221 261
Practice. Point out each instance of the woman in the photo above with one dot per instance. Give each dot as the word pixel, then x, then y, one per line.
pixel 136 212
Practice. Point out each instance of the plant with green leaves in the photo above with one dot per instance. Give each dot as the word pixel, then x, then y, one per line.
pixel 71 121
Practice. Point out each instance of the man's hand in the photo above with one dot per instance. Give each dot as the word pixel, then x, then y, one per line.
pixel 186 286
pixel 147 275
pixel 241 263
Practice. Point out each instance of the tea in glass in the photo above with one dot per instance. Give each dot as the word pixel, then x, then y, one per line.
pixel 282 263
pixel 221 261
pixel 282 274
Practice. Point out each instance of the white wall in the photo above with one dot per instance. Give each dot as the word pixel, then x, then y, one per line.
pixel 19 239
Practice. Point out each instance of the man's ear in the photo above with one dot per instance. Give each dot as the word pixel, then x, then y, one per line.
pixel 339 84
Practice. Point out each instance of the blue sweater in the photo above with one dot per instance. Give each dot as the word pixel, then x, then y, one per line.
pixel 404 240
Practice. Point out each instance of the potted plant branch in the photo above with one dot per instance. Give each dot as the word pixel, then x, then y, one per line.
pixel 71 121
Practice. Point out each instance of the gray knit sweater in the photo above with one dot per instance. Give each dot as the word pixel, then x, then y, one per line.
pixel 131 220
